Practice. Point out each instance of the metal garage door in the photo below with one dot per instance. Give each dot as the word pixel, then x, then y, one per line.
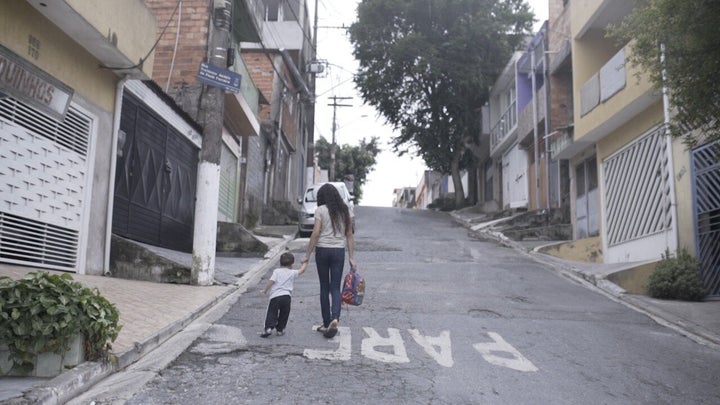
pixel 706 175
pixel 44 173
pixel 155 180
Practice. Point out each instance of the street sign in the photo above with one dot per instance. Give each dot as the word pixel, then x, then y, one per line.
pixel 219 77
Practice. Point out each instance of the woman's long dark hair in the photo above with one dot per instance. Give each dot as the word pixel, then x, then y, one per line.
pixel 339 213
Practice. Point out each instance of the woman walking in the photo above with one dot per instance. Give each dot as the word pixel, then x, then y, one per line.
pixel 331 234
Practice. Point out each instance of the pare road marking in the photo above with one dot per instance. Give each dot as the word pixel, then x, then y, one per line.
pixel 497 352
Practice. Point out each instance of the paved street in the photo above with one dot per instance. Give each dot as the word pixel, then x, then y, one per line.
pixel 446 319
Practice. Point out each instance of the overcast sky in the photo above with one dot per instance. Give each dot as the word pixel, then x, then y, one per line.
pixel 361 121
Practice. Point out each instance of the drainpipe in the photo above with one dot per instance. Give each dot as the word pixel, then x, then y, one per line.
pixel 546 79
pixel 111 178
pixel 671 244
pixel 535 132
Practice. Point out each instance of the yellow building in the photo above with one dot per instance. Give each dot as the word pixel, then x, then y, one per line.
pixel 61 68
pixel 630 182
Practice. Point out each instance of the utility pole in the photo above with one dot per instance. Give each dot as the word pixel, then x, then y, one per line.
pixel 335 105
pixel 208 180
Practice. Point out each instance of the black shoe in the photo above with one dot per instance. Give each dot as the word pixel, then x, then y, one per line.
pixel 266 333
pixel 332 329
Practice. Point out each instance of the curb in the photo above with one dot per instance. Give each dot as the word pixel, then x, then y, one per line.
pixel 604 286
pixel 72 383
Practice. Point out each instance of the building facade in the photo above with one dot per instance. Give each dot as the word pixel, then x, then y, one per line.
pixel 62 67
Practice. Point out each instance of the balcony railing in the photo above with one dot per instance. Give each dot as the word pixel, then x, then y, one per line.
pixel 504 125
pixel 604 84
pixel 247 87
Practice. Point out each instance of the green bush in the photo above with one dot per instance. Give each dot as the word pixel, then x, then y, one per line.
pixel 676 278
pixel 42 312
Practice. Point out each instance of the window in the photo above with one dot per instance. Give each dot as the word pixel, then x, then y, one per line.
pixel 272 10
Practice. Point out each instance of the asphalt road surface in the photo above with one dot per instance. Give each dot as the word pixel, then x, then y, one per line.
pixel 446 320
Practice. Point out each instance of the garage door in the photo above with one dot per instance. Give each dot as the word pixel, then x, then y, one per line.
pixel 155 180
pixel 43 185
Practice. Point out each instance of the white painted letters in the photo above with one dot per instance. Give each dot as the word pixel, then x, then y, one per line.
pixel 394 340
pixel 391 349
pixel 444 353
pixel 341 354
pixel 517 362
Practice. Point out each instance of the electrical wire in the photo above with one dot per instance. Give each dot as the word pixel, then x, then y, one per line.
pixel 177 39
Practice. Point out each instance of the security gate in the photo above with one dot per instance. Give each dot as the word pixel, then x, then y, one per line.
pixel 706 190
pixel 155 181
pixel 44 172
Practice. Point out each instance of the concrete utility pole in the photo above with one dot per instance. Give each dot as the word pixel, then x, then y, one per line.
pixel 212 105
pixel 335 105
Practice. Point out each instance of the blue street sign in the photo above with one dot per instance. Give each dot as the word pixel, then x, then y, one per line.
pixel 219 77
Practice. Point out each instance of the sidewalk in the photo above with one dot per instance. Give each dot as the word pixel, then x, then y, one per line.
pixel 150 313
pixel 699 321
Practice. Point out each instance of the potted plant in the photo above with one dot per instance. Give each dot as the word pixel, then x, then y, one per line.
pixel 46 314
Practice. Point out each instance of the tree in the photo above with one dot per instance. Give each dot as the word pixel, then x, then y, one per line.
pixel 689 32
pixel 427 65
pixel 353 162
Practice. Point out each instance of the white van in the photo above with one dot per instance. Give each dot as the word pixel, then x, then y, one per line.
pixel 308 204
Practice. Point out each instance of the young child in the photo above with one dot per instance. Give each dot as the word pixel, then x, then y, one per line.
pixel 280 286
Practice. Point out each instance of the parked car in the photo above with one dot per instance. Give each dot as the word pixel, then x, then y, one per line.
pixel 308 204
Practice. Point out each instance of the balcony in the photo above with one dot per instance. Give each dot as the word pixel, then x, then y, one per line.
pixel 248 22
pixel 590 15
pixel 525 120
pixel 609 99
pixel 242 108
pixel 499 134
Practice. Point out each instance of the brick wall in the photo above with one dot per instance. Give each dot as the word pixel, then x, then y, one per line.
pixel 561 100
pixel 259 66
pixel 192 43
pixel 191 49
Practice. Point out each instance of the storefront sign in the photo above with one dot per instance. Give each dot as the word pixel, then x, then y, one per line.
pixel 25 81
pixel 219 77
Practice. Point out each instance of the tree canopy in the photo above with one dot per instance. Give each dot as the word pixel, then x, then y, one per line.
pixel 427 66
pixel 350 161
pixel 689 31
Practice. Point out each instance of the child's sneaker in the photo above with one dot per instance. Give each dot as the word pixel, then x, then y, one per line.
pixel 279 332
pixel 266 333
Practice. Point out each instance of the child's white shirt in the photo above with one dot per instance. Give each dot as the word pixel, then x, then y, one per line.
pixel 283 281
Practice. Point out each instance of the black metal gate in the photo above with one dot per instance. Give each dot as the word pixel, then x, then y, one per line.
pixel 155 180
pixel 706 174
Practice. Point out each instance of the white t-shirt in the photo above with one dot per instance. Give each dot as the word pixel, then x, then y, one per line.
pixel 328 238
pixel 283 281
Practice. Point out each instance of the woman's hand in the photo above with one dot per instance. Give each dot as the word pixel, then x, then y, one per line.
pixel 353 265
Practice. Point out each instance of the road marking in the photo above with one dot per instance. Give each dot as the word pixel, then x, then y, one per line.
pixel 394 340
pixel 341 354
pixel 444 355
pixel 498 352
pixel 499 345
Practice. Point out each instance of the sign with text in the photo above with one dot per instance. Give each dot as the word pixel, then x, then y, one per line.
pixel 24 81
pixel 219 77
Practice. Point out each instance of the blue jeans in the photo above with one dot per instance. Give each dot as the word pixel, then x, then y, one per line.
pixel 330 263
